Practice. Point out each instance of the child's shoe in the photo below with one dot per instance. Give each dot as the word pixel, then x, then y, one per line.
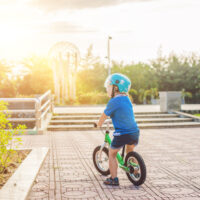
pixel 112 181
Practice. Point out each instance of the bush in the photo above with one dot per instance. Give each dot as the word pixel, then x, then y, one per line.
pixel 133 95
pixel 7 139
pixel 93 98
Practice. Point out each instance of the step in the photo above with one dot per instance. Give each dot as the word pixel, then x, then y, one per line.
pixel 170 125
pixel 98 113
pixel 21 119
pixel 150 120
pixel 141 126
pixel 21 111
pixel 97 117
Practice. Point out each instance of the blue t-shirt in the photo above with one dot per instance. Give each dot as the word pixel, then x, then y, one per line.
pixel 120 110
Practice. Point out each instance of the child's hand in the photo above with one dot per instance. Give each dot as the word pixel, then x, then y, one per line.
pixel 95 125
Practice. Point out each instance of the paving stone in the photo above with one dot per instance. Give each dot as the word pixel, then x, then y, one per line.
pixel 171 157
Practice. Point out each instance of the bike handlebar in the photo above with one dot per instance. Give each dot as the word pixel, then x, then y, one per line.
pixel 101 128
pixel 107 122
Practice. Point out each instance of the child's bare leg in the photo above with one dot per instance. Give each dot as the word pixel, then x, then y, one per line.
pixel 129 148
pixel 113 162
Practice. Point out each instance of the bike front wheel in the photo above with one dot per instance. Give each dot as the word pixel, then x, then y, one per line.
pixel 136 174
pixel 101 160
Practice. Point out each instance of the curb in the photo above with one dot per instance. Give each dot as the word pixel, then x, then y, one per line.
pixel 183 115
pixel 20 183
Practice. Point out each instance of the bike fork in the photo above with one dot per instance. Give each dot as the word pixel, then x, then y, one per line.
pixel 101 149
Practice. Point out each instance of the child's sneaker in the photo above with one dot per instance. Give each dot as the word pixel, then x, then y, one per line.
pixel 112 181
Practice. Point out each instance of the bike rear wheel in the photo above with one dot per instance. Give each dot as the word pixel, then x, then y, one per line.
pixel 137 175
pixel 101 163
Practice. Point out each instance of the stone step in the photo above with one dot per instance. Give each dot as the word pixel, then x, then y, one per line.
pixel 141 126
pixel 150 120
pixel 21 119
pixel 98 113
pixel 97 117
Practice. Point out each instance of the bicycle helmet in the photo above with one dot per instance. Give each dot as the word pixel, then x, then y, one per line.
pixel 121 81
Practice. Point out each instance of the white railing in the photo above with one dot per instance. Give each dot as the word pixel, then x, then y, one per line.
pixel 43 105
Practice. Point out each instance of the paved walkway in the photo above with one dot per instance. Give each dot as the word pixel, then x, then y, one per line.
pixel 172 158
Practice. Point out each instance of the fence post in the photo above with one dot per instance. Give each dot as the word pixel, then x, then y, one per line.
pixel 52 102
pixel 38 114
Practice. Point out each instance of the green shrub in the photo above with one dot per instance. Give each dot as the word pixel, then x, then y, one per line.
pixel 7 140
pixel 85 98
pixel 133 95
pixel 93 98
pixel 70 102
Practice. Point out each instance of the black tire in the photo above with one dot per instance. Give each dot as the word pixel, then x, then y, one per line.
pixel 142 177
pixel 105 172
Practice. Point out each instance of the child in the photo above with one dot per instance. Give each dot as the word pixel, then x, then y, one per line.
pixel 120 110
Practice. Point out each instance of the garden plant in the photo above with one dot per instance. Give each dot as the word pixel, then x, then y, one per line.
pixel 9 141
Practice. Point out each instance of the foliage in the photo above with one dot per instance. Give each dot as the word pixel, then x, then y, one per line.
pixel 175 73
pixel 4 70
pixel 7 88
pixel 7 139
pixel 40 78
pixel 172 73
pixel 93 98
pixel 91 75
pixel 134 95
pixel 140 74
pixel 186 94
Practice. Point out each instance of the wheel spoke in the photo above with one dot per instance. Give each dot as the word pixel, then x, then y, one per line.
pixel 134 166
pixel 102 164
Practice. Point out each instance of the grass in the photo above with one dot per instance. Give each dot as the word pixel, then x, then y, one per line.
pixel 198 115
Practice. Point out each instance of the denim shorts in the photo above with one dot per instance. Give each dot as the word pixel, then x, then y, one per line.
pixel 119 141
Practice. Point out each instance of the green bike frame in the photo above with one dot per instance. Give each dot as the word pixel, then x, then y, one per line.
pixel 119 157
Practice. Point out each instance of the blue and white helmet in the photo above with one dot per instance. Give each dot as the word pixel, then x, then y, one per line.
pixel 122 81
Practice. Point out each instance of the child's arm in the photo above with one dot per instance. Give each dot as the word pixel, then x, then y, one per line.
pixel 101 119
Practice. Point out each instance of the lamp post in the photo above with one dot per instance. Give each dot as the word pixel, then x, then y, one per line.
pixel 109 66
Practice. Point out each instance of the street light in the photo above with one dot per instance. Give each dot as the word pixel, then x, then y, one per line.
pixel 109 66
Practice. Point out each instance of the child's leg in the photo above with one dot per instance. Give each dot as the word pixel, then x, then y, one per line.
pixel 113 162
pixel 129 148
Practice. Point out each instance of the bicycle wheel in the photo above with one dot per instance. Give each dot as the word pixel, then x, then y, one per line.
pixel 137 175
pixel 101 164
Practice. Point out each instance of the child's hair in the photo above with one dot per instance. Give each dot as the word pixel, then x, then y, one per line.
pixel 116 89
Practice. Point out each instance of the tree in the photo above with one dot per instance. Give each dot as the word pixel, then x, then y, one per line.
pixel 175 73
pixel 92 74
pixel 7 86
pixel 40 77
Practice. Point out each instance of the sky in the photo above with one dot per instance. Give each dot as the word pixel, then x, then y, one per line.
pixel 139 28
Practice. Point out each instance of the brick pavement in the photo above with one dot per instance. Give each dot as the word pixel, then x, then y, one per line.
pixel 172 157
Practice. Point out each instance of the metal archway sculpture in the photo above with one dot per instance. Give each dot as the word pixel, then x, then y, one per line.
pixel 64 58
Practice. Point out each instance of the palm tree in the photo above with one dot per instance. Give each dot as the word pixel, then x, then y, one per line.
pixel 185 94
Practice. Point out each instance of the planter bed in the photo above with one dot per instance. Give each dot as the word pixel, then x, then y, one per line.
pixel 19 184
pixel 13 165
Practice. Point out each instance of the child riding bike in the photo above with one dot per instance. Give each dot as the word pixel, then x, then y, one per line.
pixel 120 110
